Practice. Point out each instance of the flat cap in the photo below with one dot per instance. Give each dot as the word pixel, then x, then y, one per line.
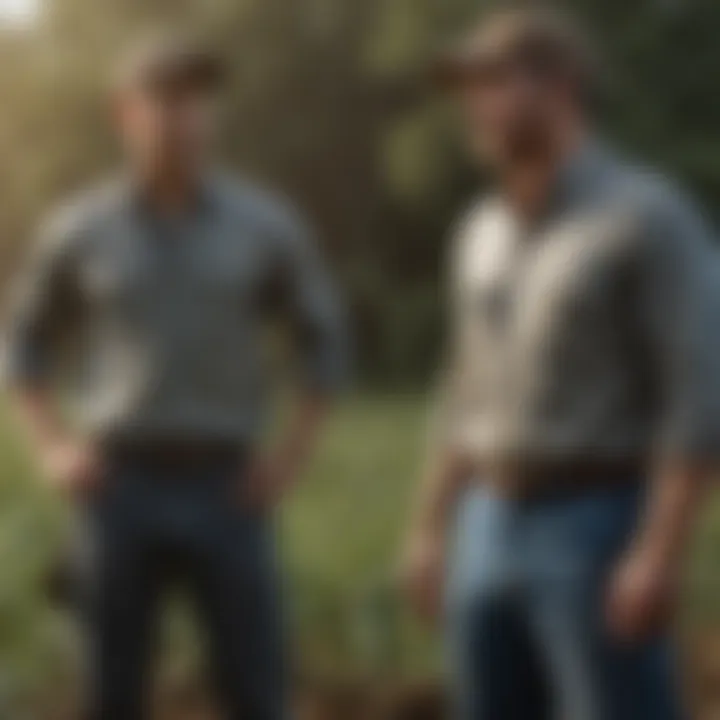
pixel 166 59
pixel 539 38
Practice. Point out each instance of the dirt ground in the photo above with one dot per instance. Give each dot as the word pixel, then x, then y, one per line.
pixel 422 700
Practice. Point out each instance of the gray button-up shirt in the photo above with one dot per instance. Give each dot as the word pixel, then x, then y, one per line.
pixel 592 334
pixel 163 317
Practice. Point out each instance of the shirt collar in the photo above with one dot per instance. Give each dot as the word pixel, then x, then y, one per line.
pixel 578 176
pixel 575 180
pixel 205 199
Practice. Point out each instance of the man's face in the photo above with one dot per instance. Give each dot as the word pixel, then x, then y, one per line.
pixel 510 113
pixel 167 128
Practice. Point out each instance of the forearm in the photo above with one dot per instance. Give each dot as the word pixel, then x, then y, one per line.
pixel 673 503
pixel 38 415
pixel 68 465
pixel 300 433
pixel 446 475
pixel 644 590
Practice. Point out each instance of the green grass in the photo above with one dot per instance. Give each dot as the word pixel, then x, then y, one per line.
pixel 341 535
pixel 346 519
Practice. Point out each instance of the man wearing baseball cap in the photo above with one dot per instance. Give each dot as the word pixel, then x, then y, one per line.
pixel 580 413
pixel 158 283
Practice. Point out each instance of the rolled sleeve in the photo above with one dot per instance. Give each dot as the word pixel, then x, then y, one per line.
pixel 317 314
pixel 681 312
pixel 42 305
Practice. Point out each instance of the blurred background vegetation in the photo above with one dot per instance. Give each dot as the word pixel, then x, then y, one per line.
pixel 328 104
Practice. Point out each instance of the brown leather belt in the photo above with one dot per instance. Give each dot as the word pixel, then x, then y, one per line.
pixel 176 454
pixel 531 480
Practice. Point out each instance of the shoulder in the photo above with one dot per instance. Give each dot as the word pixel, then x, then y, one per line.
pixel 651 217
pixel 660 209
pixel 75 220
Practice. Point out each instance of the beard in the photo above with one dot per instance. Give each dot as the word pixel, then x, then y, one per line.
pixel 526 141
pixel 523 156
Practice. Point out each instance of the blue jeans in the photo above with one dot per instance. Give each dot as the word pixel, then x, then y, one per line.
pixel 526 637
pixel 151 529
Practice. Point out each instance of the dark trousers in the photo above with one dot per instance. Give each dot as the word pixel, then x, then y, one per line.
pixel 152 527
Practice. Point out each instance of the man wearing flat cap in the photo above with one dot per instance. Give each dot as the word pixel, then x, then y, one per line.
pixel 580 413
pixel 146 300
